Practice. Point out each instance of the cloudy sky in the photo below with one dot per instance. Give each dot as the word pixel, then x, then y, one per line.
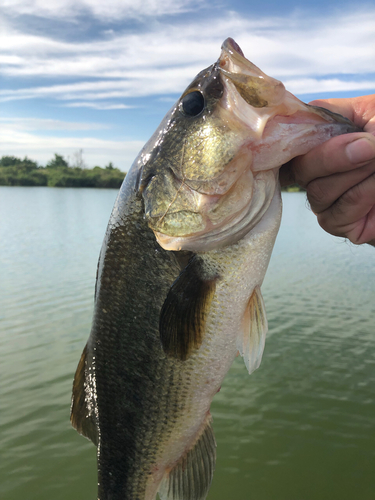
pixel 99 75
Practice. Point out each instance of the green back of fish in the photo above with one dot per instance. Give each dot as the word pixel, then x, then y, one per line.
pixel 127 394
pixel 130 378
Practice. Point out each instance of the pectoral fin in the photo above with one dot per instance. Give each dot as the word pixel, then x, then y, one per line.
pixel 80 416
pixel 191 477
pixel 184 312
pixel 251 342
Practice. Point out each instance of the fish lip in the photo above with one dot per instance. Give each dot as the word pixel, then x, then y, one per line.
pixel 232 47
pixel 232 52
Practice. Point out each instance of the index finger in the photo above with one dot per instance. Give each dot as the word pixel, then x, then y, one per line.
pixel 337 155
pixel 360 110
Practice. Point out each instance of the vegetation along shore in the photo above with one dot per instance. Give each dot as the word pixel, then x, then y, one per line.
pixel 59 173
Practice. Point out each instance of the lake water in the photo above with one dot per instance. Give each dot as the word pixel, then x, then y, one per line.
pixel 302 427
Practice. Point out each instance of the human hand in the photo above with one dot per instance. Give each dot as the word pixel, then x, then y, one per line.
pixel 339 175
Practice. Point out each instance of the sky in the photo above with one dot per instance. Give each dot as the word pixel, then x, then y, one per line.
pixel 99 75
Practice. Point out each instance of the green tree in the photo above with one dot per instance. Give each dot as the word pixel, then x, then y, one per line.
pixel 13 161
pixel 9 161
pixel 57 162
pixel 57 173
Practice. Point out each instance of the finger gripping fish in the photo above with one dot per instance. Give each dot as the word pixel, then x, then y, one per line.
pixel 179 276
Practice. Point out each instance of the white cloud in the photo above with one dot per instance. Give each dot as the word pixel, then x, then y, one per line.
pixel 96 151
pixel 109 9
pixel 164 59
pixel 313 85
pixel 47 124
pixel 137 84
pixel 97 105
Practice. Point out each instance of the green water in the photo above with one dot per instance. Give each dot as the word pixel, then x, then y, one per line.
pixel 302 427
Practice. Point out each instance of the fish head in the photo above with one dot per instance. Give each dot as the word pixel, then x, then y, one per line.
pixel 210 172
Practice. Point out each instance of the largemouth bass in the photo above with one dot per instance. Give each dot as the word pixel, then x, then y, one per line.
pixel 179 276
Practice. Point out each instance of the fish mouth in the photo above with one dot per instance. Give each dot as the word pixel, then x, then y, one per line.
pixel 215 221
pixel 255 87
pixel 185 211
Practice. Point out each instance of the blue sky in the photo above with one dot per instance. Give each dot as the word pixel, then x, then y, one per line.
pixel 99 75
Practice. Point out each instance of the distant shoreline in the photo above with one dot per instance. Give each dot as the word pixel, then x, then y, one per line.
pixel 57 173
pixel 294 188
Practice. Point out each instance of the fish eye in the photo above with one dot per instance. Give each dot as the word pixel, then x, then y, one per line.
pixel 192 104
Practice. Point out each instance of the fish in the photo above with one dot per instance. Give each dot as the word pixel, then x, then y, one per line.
pixel 178 288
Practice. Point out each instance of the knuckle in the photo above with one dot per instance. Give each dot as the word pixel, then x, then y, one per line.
pixel 317 193
pixel 331 221
pixel 353 195
pixel 327 222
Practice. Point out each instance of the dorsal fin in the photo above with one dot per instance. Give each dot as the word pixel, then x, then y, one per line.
pixel 191 477
pixel 80 416
pixel 251 342
pixel 184 312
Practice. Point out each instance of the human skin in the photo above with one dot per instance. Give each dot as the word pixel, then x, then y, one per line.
pixel 339 175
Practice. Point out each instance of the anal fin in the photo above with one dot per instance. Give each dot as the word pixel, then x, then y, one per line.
pixel 80 416
pixel 251 342
pixel 191 477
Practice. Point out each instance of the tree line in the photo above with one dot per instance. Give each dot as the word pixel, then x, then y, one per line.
pixel 57 173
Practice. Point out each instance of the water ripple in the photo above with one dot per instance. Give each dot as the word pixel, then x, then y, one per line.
pixel 301 427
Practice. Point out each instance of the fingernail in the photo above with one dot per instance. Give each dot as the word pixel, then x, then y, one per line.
pixel 360 151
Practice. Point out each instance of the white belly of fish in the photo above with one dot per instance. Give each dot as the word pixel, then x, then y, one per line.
pixel 242 268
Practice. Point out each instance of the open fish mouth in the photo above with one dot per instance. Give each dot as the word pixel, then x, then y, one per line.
pixel 214 169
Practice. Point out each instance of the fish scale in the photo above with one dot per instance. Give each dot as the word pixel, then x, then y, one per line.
pixel 129 376
pixel 152 374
